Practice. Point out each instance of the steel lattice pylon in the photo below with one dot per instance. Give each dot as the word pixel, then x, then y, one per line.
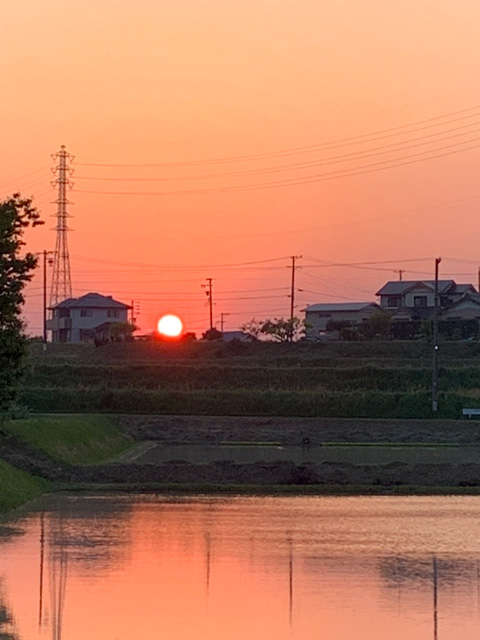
pixel 61 277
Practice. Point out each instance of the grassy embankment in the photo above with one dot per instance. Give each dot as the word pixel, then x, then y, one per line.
pixel 82 439
pixel 18 487
pixel 85 439
pixel 351 380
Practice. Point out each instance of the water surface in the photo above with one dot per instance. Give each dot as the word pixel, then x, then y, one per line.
pixel 214 568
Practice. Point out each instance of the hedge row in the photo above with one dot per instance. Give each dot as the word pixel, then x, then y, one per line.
pixel 206 377
pixel 272 402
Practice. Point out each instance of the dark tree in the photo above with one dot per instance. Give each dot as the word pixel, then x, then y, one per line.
pixel 277 330
pixel 16 214
pixel 212 334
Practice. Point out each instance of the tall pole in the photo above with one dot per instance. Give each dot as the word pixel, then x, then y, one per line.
pixel 222 320
pixel 435 342
pixel 44 299
pixel 46 260
pixel 209 294
pixel 292 296
pixel 292 286
pixel 61 278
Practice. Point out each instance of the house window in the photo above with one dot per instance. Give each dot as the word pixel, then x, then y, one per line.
pixel 113 313
pixel 85 313
pixel 420 301
pixel 64 313
pixel 393 301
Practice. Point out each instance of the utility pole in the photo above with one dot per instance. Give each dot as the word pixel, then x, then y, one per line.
pixel 61 278
pixel 209 294
pixel 435 342
pixel 292 290
pixel 400 274
pixel 292 295
pixel 45 253
pixel 222 320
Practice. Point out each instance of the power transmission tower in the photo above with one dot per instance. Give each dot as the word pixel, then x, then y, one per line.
pixel 209 294
pixel 61 277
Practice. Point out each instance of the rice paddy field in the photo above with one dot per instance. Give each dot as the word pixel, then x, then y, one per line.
pixel 345 379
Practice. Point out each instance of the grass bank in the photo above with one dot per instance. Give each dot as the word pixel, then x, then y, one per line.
pixel 74 439
pixel 18 487
pixel 43 442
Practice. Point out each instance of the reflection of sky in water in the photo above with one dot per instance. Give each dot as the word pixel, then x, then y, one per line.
pixel 93 531
pixel 228 568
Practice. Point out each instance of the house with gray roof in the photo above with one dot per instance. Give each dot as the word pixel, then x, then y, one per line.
pixel 415 299
pixel 318 316
pixel 86 318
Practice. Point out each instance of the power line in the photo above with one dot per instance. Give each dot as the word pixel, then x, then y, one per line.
pixel 357 155
pixel 197 266
pixel 295 150
pixel 322 177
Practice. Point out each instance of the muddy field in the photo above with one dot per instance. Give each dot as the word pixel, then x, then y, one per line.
pixel 298 431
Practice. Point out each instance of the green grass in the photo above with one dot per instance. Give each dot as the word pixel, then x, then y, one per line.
pixel 85 439
pixel 18 487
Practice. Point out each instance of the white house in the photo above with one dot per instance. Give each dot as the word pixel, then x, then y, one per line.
pixel 317 316
pixel 86 318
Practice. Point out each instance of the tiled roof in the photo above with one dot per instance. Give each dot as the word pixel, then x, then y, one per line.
pixel 340 306
pixel 92 300
pixel 398 287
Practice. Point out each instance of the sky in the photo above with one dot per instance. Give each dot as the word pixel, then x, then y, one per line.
pixel 208 133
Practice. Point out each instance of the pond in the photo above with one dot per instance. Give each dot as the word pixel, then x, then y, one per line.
pixel 231 568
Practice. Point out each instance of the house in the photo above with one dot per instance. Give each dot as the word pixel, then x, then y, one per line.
pixel 86 318
pixel 467 308
pixel 415 299
pixel 318 316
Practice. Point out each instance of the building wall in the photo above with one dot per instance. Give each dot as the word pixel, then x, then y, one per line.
pixel 408 299
pixel 317 320
pixel 96 317
pixel 420 293
pixel 91 318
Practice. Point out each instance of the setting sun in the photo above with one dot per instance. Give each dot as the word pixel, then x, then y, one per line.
pixel 170 326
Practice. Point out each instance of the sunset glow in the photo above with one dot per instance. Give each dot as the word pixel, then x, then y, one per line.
pixel 170 326
pixel 237 133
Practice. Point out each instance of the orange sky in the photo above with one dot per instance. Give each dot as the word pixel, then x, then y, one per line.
pixel 160 82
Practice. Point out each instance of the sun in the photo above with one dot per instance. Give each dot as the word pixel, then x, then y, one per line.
pixel 170 326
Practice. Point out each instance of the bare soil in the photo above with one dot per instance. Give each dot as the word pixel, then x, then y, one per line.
pixel 294 431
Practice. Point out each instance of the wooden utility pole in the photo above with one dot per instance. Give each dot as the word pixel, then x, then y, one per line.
pixel 292 289
pixel 292 295
pixel 435 342
pixel 222 320
pixel 209 294
pixel 45 255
